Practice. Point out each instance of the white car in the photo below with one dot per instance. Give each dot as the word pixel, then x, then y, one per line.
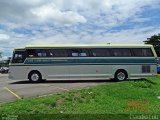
pixel 4 70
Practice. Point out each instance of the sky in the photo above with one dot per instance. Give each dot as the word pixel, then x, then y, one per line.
pixel 25 22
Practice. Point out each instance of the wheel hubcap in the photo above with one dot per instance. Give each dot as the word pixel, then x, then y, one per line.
pixel 121 76
pixel 35 77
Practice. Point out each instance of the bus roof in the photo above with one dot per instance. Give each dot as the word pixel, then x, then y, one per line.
pixel 81 46
pixel 86 45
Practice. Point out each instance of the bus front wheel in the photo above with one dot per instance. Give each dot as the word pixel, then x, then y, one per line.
pixel 120 75
pixel 35 76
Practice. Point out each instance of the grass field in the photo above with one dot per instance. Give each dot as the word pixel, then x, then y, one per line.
pixel 119 98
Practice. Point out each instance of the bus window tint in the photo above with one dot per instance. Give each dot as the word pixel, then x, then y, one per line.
pixel 41 53
pixel 75 54
pixel 147 52
pixel 142 52
pixel 83 54
pixel 58 53
pixel 31 53
pixel 18 57
pixel 100 52
pixel 121 52
pixel 79 52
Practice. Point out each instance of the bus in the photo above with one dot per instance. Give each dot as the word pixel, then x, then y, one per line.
pixel 83 62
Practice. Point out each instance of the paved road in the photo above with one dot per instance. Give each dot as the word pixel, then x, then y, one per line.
pixel 14 90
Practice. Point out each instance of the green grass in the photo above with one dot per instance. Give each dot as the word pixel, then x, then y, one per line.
pixel 103 99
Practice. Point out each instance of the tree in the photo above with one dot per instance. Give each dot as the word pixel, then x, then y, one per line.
pixel 155 41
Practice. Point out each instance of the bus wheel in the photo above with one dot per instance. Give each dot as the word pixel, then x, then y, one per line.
pixel 35 76
pixel 120 75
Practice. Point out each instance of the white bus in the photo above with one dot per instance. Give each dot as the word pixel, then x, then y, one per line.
pixel 50 62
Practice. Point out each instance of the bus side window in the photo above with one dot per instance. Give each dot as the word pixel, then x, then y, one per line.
pixel 83 54
pixel 30 53
pixel 79 52
pixel 75 54
pixel 142 52
pixel 41 53
pixel 100 52
pixel 58 53
pixel 147 52
pixel 121 52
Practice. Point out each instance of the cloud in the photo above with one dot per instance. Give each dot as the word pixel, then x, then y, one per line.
pixel 130 36
pixel 114 12
pixel 67 12
pixel 25 22
pixel 51 13
pixel 21 12
pixel 4 37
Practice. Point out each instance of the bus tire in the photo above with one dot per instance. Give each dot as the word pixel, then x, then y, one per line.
pixel 120 75
pixel 35 76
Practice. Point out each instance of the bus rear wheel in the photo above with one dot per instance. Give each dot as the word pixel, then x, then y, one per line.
pixel 120 75
pixel 35 76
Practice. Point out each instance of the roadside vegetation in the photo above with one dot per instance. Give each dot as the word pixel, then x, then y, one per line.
pixel 118 98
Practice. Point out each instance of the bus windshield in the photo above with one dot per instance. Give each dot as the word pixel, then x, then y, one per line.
pixel 18 57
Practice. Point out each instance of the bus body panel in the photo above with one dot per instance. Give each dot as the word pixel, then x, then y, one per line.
pixel 18 72
pixel 79 71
